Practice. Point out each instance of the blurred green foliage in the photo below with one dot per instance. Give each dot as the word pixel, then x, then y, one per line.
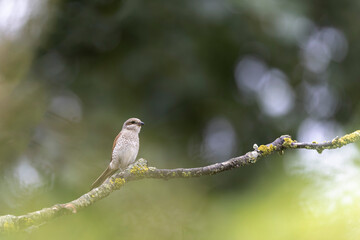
pixel 209 78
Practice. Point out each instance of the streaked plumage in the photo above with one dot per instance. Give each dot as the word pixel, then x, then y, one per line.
pixel 125 149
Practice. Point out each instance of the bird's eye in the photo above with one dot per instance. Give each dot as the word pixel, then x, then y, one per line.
pixel 133 122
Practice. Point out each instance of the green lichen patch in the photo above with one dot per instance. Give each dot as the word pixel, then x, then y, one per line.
pixel 266 150
pixel 118 182
pixel 27 221
pixel 288 143
pixel 139 170
pixel 186 174
pixel 9 226
pixel 253 156
pixel 348 138
pixel 320 150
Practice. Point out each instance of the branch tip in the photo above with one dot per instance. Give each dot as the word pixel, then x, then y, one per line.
pixel 140 170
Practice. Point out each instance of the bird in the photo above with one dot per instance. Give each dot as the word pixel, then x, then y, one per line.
pixel 124 151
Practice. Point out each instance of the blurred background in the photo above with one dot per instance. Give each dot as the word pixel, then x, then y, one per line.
pixel 209 78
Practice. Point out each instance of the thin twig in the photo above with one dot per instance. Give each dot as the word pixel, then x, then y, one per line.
pixel 140 170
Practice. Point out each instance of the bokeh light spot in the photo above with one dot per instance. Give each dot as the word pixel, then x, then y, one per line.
pixel 219 140
pixel 275 96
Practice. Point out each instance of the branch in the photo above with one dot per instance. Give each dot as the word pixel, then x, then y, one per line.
pixel 140 170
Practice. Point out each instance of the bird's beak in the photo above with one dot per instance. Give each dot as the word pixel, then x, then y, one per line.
pixel 141 124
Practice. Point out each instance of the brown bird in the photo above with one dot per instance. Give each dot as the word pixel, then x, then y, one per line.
pixel 125 149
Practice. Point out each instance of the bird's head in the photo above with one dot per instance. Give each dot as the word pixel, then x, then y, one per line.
pixel 133 124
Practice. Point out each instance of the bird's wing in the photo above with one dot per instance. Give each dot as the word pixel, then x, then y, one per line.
pixel 114 144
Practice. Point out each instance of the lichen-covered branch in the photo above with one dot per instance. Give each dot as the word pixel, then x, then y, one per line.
pixel 140 170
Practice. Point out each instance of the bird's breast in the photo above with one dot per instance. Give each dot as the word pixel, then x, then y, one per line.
pixel 125 152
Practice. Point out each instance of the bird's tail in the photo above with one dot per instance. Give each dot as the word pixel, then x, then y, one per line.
pixel 107 173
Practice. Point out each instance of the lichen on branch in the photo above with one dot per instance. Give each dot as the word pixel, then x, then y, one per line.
pixel 140 170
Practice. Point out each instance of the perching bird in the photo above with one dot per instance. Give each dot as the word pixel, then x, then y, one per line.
pixel 125 149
